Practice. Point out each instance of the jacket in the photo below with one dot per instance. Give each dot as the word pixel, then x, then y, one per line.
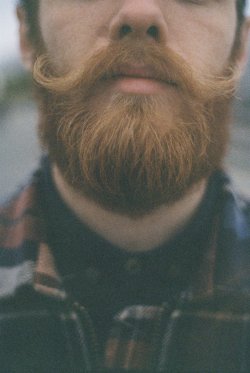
pixel 42 329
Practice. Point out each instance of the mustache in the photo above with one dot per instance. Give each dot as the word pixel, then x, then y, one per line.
pixel 164 64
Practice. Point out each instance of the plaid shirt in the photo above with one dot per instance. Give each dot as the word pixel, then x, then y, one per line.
pixel 206 330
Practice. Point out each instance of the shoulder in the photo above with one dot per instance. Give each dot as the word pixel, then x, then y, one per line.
pixel 20 234
pixel 233 244
pixel 20 212
pixel 24 204
pixel 235 212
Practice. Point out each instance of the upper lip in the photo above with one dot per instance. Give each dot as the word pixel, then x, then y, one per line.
pixel 139 71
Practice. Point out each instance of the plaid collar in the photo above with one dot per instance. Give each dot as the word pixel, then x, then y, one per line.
pixel 26 259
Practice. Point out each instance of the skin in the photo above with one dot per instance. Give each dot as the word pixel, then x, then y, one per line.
pixel 201 31
pixel 196 29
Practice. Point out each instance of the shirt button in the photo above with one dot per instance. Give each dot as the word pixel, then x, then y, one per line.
pixel 133 266
pixel 92 275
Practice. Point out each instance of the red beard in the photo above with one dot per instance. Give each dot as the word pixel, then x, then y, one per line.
pixel 133 153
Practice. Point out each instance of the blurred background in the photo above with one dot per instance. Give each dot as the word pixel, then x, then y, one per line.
pixel 19 148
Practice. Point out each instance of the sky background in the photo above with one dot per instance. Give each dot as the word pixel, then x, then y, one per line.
pixel 8 31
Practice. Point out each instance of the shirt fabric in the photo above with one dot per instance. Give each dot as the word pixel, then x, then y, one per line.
pixel 44 329
pixel 102 276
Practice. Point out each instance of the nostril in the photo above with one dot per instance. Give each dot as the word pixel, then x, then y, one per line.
pixel 125 30
pixel 153 32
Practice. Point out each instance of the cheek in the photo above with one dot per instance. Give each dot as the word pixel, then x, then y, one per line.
pixel 67 38
pixel 205 44
pixel 218 43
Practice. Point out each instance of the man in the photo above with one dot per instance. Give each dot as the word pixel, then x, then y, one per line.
pixel 128 250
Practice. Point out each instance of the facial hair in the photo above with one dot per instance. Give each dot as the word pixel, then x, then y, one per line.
pixel 132 153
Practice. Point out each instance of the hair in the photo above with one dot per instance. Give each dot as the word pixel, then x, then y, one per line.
pixel 241 5
pixel 31 9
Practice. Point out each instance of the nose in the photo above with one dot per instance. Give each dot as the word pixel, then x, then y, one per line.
pixel 139 19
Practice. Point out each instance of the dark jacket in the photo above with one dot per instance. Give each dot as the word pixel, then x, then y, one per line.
pixel 43 330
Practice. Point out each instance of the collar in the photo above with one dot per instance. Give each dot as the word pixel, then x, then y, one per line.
pixel 75 247
pixel 26 260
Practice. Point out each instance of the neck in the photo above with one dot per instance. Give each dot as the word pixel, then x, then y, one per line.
pixel 132 234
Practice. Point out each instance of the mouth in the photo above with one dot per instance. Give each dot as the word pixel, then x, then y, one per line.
pixel 139 79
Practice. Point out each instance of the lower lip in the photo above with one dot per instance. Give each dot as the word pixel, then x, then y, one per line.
pixel 144 86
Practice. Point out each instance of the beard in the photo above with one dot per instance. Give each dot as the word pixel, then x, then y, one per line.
pixel 132 153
